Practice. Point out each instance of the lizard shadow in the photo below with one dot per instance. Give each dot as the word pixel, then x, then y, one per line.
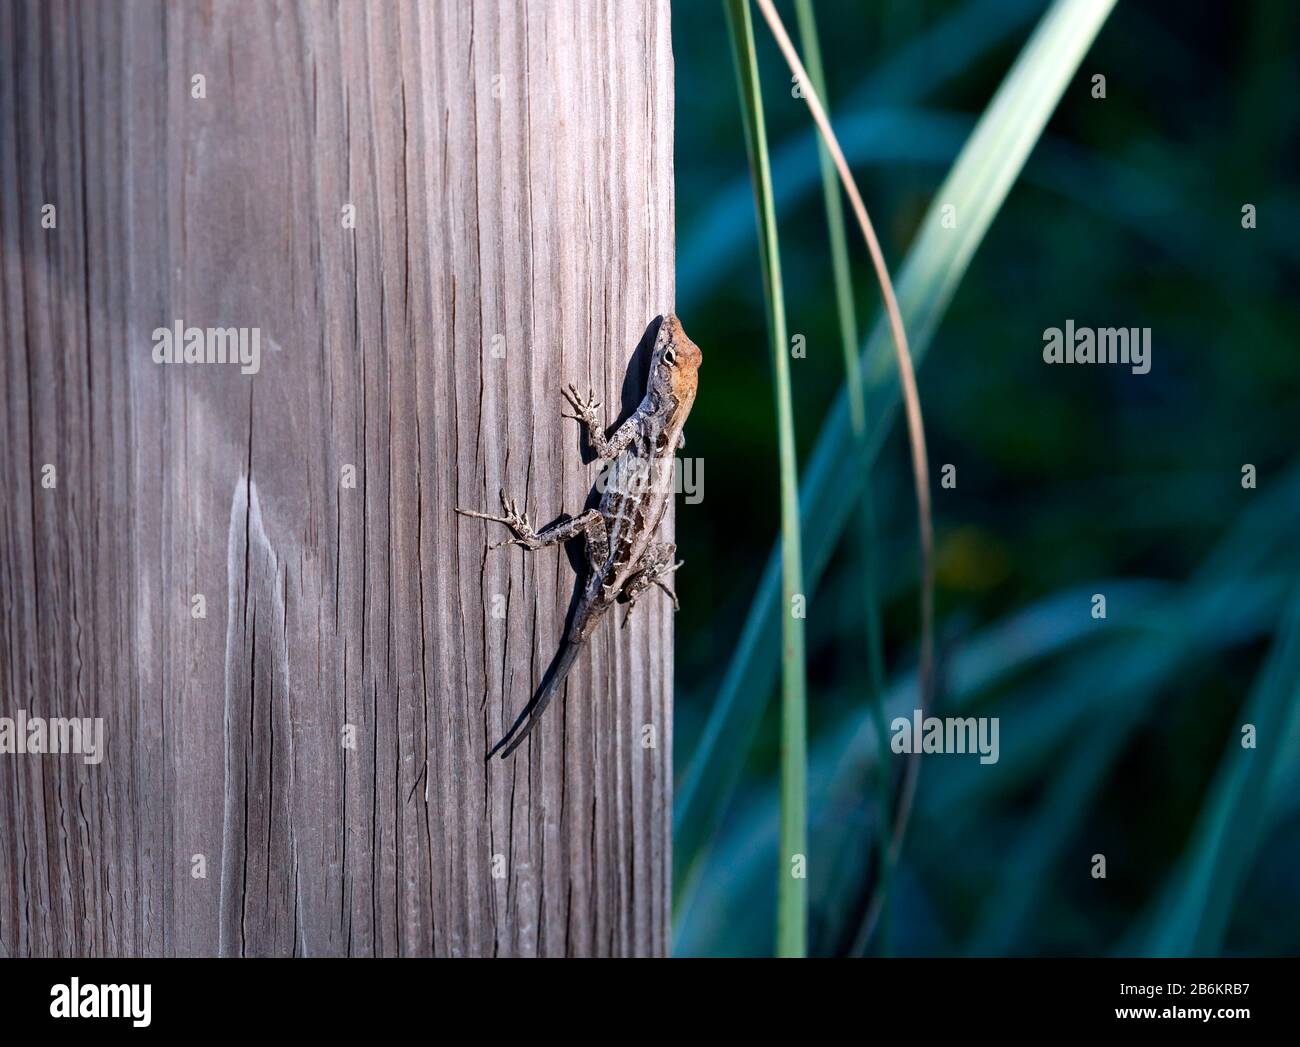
pixel 635 380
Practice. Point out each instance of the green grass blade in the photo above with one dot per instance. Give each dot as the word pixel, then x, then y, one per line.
pixel 1197 904
pixel 977 186
pixel 848 322
pixel 834 225
pixel 792 893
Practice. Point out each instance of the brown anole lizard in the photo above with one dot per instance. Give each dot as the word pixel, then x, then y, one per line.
pixel 623 557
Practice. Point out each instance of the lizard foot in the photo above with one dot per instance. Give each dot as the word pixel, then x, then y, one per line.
pixel 652 576
pixel 671 595
pixel 585 407
pixel 513 518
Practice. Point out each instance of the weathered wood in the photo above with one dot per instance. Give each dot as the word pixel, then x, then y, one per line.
pixel 510 165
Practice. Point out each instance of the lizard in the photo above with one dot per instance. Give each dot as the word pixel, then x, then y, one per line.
pixel 624 560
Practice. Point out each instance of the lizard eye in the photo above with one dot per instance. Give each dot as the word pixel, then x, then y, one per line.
pixel 670 358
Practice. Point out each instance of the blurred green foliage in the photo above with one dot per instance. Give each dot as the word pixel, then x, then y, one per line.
pixel 1118 737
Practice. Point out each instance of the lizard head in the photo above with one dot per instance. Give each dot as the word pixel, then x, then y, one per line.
pixel 674 365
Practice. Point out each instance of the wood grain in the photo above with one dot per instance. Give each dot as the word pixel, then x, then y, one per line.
pixel 510 165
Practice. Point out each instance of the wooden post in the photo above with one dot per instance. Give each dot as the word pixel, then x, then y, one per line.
pixel 430 216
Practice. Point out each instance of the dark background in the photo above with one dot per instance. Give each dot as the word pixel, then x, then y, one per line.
pixel 1072 480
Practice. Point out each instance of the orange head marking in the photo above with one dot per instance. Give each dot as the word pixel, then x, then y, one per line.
pixel 676 363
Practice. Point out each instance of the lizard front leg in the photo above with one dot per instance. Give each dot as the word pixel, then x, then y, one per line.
pixel 590 524
pixel 605 447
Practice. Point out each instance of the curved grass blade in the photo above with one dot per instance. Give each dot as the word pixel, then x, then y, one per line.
pixel 835 228
pixel 848 321
pixel 813 92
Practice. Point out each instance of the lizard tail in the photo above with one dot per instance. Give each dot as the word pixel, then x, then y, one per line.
pixel 533 710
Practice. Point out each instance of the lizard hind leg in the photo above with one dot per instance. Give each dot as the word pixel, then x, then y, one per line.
pixel 671 595
pixel 653 568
